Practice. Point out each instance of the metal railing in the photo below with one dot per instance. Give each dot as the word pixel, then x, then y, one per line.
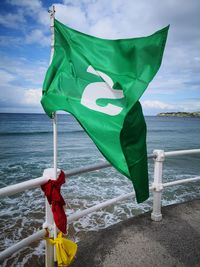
pixel 157 188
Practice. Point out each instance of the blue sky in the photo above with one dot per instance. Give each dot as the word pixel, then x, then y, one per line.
pixel 25 47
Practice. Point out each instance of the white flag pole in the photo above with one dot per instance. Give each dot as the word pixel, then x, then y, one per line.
pixel 55 131
pixel 55 146
pixel 50 256
pixel 54 115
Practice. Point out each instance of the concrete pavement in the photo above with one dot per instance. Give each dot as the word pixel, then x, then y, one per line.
pixel 141 242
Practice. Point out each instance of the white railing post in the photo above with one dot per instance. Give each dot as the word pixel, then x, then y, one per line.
pixel 55 163
pixel 156 214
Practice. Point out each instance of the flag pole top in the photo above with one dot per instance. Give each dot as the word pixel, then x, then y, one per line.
pixel 52 12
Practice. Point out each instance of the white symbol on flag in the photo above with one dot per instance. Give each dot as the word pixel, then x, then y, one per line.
pixel 101 90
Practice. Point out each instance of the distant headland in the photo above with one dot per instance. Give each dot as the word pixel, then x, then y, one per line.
pixel 180 114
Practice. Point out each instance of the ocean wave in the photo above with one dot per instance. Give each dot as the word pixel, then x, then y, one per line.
pixel 38 133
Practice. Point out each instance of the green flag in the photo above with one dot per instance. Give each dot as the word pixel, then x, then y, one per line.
pixel 100 81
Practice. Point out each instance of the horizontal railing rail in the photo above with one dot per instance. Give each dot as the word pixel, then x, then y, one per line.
pixel 182 181
pixel 182 152
pixel 20 187
pixel 33 183
pixel 21 244
pixel 157 188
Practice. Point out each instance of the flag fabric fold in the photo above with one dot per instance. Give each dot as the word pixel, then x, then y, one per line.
pixel 99 82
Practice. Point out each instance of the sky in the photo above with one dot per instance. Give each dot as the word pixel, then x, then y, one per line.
pixel 25 47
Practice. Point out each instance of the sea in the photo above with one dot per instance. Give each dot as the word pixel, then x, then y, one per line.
pixel 26 149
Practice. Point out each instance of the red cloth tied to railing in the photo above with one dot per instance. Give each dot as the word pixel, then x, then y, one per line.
pixel 55 199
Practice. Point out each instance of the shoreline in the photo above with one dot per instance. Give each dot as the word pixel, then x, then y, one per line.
pixel 180 114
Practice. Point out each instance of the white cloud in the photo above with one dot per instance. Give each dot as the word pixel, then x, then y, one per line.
pixel 37 36
pixel 72 16
pixel 32 5
pixel 6 77
pixel 32 97
pixel 18 20
pixel 33 8
pixel 24 71
pixel 78 2
pixel 18 78
pixel 17 99
pixel 10 41
pixel 189 105
pixel 11 20
pixel 43 17
pixel 99 11
pixel 129 18
pixel 14 97
pixel 156 104
pixel 104 29
pixel 166 84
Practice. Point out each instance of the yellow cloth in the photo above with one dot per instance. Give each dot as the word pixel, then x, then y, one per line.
pixel 65 250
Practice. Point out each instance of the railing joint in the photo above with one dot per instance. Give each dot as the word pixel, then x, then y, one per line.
pixel 159 155
pixel 49 229
pixel 157 187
